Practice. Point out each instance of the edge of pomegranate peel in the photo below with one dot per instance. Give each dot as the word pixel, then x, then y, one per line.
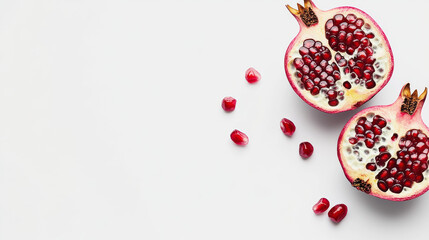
pixel 358 104
pixel 350 179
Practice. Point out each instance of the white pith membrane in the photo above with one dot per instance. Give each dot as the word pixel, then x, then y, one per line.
pixel 355 157
pixel 358 94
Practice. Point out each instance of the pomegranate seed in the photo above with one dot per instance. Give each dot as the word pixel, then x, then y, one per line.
pixel 252 76
pixel 333 102
pixel 338 213
pixel 353 140
pixel 239 138
pixel 321 206
pixel 382 185
pixel 397 188
pixel 371 166
pixel 347 85
pixel 305 150
pixel 228 104
pixel 287 127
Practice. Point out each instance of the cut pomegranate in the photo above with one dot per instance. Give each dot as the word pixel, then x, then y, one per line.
pixel 228 104
pixel 305 149
pixel 239 138
pixel 338 213
pixel 384 149
pixel 321 206
pixel 252 76
pixel 340 58
pixel 287 127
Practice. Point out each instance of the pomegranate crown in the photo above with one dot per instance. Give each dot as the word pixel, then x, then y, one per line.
pixel 305 13
pixel 410 102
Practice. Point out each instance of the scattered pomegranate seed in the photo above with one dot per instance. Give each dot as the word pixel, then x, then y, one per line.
pixel 321 206
pixel 228 104
pixel 239 138
pixel 338 213
pixel 252 76
pixel 305 149
pixel 287 127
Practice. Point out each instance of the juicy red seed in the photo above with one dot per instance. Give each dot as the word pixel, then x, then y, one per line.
pixel 408 183
pixel 382 149
pixel 333 102
pixel 385 156
pixel 371 166
pixel 361 120
pixel 369 143
pixel 376 129
pixel 287 126
pixel 332 94
pixel 400 176
pixel 308 43
pixel 353 140
pixel 338 57
pixel 321 206
pixel 338 18
pixel 369 134
pixel 370 35
pixel 239 138
pixel 394 136
pixel 305 149
pixel 400 164
pixel 382 185
pixel 359 22
pixel 381 122
pixel 337 75
pixel 347 85
pixel 422 157
pixel 367 125
pixel 364 42
pixel 383 174
pixel 393 171
pixel 329 24
pixel 420 146
pixel 351 18
pixel 397 188
pixel 351 28
pixel 419 178
pixel 303 51
pixel 252 76
pixel 315 91
pixel 228 104
pixel 358 34
pixel 338 213
pixel 390 182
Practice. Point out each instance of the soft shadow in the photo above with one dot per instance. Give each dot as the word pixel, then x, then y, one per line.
pixel 327 120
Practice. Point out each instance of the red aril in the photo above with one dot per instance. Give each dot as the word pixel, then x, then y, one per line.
pixel 239 138
pixel 340 58
pixel 338 213
pixel 287 127
pixel 252 76
pixel 321 206
pixel 228 104
pixel 390 160
pixel 305 150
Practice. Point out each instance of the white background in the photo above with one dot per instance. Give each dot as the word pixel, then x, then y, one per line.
pixel 111 125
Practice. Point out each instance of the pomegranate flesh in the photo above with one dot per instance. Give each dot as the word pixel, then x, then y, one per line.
pixel 340 58
pixel 383 150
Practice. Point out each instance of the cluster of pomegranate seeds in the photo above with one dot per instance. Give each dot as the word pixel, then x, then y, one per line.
pixel 239 138
pixel 228 104
pixel 411 162
pixel 287 126
pixel 305 150
pixel 252 76
pixel 321 206
pixel 368 131
pixel 316 73
pixel 338 213
pixel 345 35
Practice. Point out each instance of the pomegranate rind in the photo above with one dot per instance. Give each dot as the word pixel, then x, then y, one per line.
pixel 400 123
pixel 353 98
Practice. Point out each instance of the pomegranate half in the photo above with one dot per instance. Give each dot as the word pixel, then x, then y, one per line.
pixel 340 58
pixel 383 150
